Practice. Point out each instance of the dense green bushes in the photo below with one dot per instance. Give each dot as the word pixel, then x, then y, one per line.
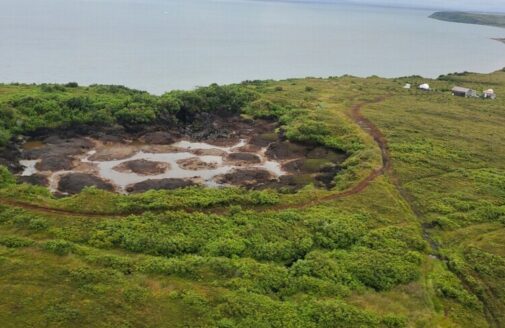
pixel 382 271
pixel 58 106
pixel 447 284
pixel 341 232
pixel 246 310
pixel 6 178
pixel 290 243
pixel 263 108
pixel 122 264
pixel 83 276
pixel 195 197
pixel 59 247
pixel 15 241
pixel 462 208
pixel 228 99
pixel 92 200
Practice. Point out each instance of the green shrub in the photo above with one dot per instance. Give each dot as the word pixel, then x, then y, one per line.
pixel 378 269
pixel 338 314
pixel 322 266
pixel 83 276
pixel 341 232
pixel 185 266
pixel 15 242
pixel 394 321
pixel 59 247
pixel 135 295
pixel 135 117
pixel 243 309
pixel 394 239
pixel 447 285
pixel 122 264
pixel 72 85
pixel 51 88
pixel 62 314
pixel 21 219
pixel 38 224
pixel 227 247
pixel 5 136
pixel 6 178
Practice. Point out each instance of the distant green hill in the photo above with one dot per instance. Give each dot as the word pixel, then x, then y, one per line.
pixel 470 18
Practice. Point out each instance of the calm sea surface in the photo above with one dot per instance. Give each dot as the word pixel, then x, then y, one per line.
pixel 158 45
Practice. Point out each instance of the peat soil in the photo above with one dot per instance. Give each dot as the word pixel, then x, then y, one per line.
pixel 57 151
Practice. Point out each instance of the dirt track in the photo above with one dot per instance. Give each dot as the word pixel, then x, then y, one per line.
pixel 53 211
pixel 354 113
pixel 372 130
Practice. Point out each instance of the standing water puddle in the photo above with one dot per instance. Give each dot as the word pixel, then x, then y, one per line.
pixel 212 165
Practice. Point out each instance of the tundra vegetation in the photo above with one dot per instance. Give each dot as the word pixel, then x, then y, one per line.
pixel 420 245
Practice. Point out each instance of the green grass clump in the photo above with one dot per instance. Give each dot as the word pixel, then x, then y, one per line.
pixel 59 247
pixel 15 241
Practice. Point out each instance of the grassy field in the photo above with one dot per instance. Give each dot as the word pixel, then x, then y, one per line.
pixel 420 245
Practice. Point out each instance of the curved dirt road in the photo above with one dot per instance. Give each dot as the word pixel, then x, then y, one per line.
pixel 372 130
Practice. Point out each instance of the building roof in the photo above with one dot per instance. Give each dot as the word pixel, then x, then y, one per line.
pixel 460 89
pixel 424 86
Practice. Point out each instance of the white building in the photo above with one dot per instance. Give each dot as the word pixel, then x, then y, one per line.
pixel 425 87
pixel 489 94
pixel 463 92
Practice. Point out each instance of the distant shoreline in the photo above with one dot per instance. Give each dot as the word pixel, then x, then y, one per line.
pixel 495 20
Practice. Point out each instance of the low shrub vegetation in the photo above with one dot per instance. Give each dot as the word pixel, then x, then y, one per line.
pixel 418 245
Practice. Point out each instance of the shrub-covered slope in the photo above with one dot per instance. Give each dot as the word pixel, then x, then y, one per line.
pixel 419 245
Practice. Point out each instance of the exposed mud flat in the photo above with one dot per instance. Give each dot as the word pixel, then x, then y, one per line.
pixel 124 166
pixel 143 167
pixel 252 156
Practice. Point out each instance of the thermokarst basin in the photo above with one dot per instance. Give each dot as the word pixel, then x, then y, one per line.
pixel 67 167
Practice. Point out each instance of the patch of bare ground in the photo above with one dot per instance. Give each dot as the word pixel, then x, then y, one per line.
pixel 160 184
pixel 196 164
pixel 111 153
pixel 159 149
pixel 246 177
pixel 158 138
pixel 208 152
pixel 142 167
pixel 243 158
pixel 73 183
